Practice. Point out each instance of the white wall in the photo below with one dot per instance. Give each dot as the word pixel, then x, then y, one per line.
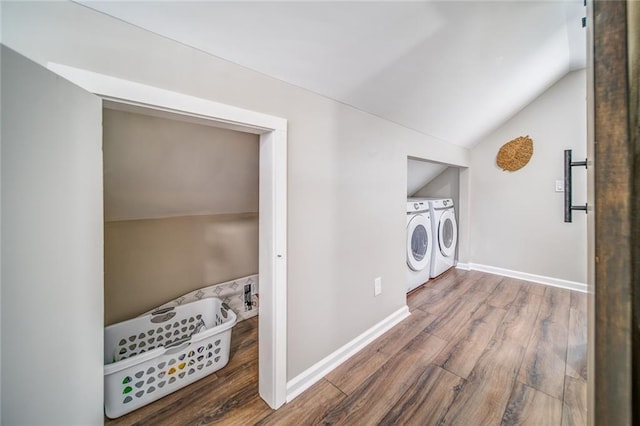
pixel 0 237
pixel 51 249
pixel 346 168
pixel 419 173
pixel 516 218
pixel 446 185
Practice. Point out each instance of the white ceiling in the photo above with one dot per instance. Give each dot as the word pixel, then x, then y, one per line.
pixel 454 70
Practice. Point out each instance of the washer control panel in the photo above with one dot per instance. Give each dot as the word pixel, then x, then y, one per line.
pixel 417 206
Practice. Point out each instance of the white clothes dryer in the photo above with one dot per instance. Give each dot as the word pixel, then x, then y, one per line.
pixel 419 242
pixel 445 234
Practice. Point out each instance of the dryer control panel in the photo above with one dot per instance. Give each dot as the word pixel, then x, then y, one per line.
pixel 441 203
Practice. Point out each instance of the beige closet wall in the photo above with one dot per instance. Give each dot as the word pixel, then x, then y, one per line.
pixel 181 202
pixel 149 262
pixel 155 167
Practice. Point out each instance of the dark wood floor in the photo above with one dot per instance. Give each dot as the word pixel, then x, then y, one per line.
pixel 478 349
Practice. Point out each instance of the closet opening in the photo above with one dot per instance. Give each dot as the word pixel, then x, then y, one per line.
pixel 124 95
pixel 181 211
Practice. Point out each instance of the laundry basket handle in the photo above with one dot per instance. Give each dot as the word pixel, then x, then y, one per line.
pixel 177 345
pixel 163 310
pixel 162 315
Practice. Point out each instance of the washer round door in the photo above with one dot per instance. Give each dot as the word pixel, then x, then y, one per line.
pixel 419 242
pixel 447 233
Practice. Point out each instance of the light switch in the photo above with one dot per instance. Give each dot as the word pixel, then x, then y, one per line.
pixel 559 186
pixel 377 286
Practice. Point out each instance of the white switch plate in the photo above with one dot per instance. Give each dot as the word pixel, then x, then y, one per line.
pixel 559 186
pixel 377 286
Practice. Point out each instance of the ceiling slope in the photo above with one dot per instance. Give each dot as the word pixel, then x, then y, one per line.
pixel 454 70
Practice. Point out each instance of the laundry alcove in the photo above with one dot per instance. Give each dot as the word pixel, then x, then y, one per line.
pixel 427 178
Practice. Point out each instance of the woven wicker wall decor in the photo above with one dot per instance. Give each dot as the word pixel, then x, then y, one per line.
pixel 515 154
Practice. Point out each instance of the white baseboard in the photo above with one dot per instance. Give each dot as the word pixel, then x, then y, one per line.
pixel 311 375
pixel 463 266
pixel 540 279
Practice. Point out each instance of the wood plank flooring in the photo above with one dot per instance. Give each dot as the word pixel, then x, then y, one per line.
pixel 478 349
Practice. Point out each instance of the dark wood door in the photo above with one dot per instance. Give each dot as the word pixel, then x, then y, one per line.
pixel 615 321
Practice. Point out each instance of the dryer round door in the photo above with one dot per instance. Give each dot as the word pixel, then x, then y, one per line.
pixel 447 233
pixel 418 242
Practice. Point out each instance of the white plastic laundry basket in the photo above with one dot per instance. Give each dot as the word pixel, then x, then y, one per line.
pixel 151 356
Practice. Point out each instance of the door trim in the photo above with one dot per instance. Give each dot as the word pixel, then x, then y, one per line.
pixel 272 258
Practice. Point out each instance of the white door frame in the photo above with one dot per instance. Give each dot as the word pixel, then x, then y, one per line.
pixel 273 202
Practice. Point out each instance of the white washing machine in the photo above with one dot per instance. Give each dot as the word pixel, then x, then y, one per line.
pixel 419 242
pixel 445 234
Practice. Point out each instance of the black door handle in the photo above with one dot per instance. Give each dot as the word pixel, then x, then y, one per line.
pixel 568 206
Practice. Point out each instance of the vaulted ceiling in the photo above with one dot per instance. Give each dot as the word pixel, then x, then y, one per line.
pixel 452 69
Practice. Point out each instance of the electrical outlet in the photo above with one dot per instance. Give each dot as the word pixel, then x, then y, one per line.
pixel 248 300
pixel 559 186
pixel 377 286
